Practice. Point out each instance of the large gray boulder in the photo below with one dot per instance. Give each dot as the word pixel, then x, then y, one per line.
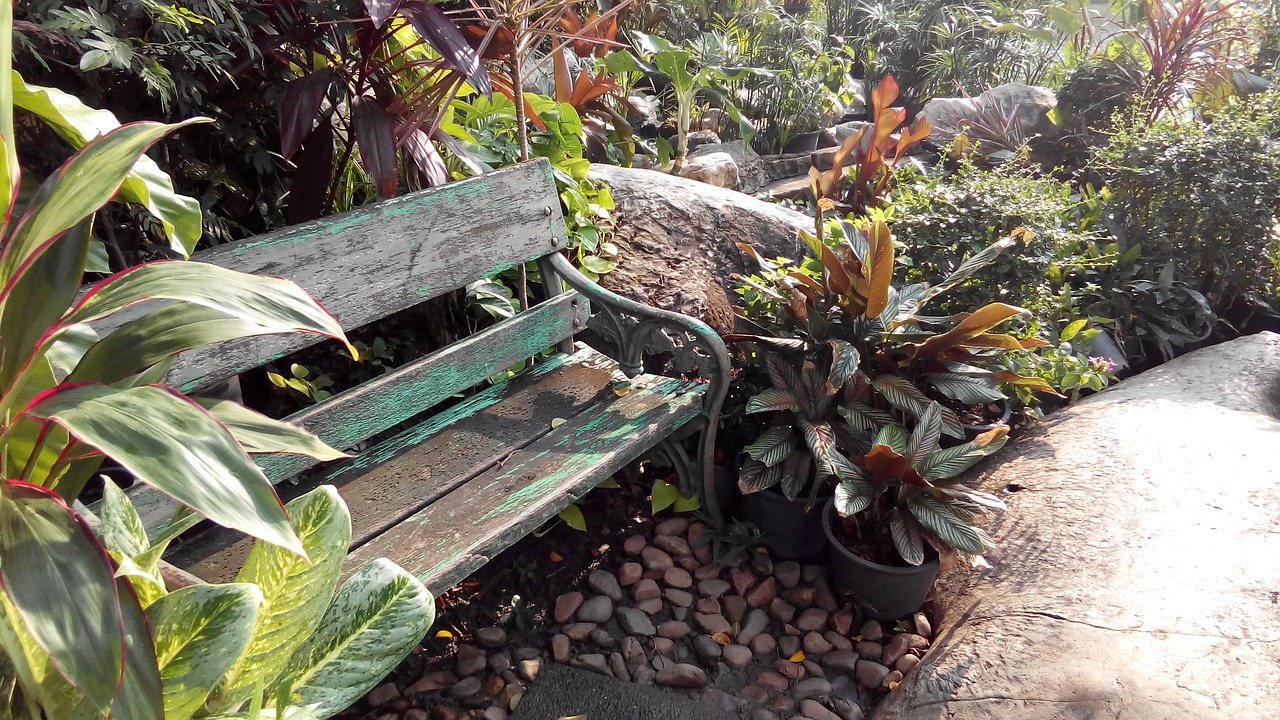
pixel 1017 110
pixel 750 166
pixel 1138 569
pixel 677 240
pixel 717 169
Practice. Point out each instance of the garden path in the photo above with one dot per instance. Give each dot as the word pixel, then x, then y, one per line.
pixel 1137 573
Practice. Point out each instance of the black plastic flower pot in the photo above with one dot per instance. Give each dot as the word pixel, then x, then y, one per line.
pixel 885 592
pixel 791 527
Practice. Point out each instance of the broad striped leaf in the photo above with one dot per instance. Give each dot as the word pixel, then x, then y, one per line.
pixel 844 363
pixel 756 476
pixel 950 462
pixel 376 619
pixel 907 536
pixel 151 431
pixel 905 396
pixel 938 519
pixel 864 417
pixel 773 446
pixel 843 468
pixel 966 388
pixel 853 496
pixel 199 632
pixel 784 376
pixel 924 439
pixel 819 437
pixel 894 437
pixel 295 593
pixel 772 399
pixel 967 268
pixel 795 474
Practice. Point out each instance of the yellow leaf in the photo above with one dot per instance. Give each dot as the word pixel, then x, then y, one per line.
pixel 443 634
pixel 826 204
pixel 621 388
pixel 893 684
pixel 720 638
pixel 762 550
pixel 556 557
pixel 797 657
pixel 557 422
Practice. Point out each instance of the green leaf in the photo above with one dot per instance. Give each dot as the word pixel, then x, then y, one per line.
pixel 894 437
pixel 907 536
pixel 795 474
pixel 1072 329
pixel 81 186
pixel 144 184
pixel 853 496
pixel 177 447
pixel 295 593
pixel 966 388
pixel 199 632
pixel 755 476
pixel 686 503
pixel 844 363
pixel 863 417
pixel 268 301
pixel 59 582
pixel 122 529
pixel 949 462
pixel 376 619
pixel 141 694
pixel 572 516
pixel 924 439
pixel 772 399
pixel 773 446
pixel 663 495
pixel 938 519
pixel 258 433
pixel 9 173
pixel 967 268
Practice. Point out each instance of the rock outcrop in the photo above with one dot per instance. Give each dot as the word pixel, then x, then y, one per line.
pixel 1014 109
pixel 677 240
pixel 1137 572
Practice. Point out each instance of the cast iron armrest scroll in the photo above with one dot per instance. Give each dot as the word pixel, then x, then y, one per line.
pixel 638 330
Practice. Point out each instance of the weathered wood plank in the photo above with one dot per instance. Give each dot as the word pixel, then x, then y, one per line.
pixel 394 479
pixel 382 403
pixel 460 532
pixel 379 259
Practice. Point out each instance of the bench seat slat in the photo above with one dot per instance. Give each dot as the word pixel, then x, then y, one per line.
pixel 457 534
pixel 397 477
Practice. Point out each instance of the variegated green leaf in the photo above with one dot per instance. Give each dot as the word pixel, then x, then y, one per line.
pixel 773 446
pixel 377 617
pixel 199 632
pixel 924 439
pixel 258 433
pixel 907 537
pixel 795 473
pixel 938 519
pixel 949 462
pixel 843 468
pixel 756 476
pixel 844 363
pixel 864 417
pixel 819 437
pixel 901 393
pixel 122 529
pixel 772 399
pixel 295 593
pixel 853 496
pixel 783 375
pixel 966 388
pixel 967 268
pixel 893 436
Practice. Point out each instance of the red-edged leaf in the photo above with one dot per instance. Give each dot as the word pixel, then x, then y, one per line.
pixel 59 579
pixel 299 107
pixel 381 10
pixel 442 34
pixel 426 157
pixel 309 194
pixel 377 145
pixel 141 693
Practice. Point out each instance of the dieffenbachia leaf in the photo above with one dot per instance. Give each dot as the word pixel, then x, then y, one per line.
pixel 174 445
pixel 295 593
pixel 199 632
pixel 376 619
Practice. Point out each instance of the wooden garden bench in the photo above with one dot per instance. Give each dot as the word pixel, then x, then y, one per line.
pixel 451 488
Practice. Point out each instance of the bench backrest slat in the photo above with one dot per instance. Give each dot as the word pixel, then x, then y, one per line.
pixel 383 258
pixel 382 403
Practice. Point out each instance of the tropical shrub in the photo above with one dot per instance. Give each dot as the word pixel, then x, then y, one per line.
pixel 942 219
pixel 1203 199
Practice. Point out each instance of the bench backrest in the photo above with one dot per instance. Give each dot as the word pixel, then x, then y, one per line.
pixel 380 259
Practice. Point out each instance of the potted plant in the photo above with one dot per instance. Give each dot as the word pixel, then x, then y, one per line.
pixel 902 508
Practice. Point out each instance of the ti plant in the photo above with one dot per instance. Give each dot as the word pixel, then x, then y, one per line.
pixel 904 492
pixel 72 630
